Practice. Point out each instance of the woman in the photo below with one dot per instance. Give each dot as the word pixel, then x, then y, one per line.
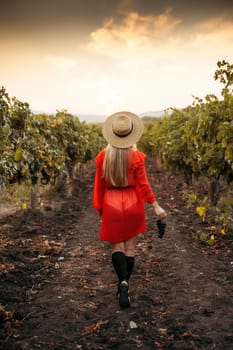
pixel 121 187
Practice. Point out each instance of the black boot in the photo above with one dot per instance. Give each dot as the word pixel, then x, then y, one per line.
pixel 123 294
pixel 130 265
pixel 120 265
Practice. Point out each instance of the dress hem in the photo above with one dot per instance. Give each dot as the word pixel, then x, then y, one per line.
pixel 113 241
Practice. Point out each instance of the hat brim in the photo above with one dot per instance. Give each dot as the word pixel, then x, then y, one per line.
pixel 126 141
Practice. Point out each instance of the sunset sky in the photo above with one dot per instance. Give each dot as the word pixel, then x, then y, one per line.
pixel 102 56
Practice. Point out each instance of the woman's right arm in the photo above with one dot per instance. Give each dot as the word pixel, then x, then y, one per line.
pixel 145 188
pixel 142 182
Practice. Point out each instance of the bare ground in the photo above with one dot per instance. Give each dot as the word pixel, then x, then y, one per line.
pixel 58 287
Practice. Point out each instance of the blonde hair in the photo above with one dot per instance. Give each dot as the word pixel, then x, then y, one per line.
pixel 115 165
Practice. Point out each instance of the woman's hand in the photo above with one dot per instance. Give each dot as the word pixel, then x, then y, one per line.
pixel 159 211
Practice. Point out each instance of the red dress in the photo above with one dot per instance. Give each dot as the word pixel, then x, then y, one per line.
pixel 123 214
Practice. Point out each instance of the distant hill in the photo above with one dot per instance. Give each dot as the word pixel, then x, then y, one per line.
pixel 154 114
pixel 92 118
pixel 99 118
pixel 88 118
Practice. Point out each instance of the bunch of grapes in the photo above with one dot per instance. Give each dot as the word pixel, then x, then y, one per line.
pixel 161 227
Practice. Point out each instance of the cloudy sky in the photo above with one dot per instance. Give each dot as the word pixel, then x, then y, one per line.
pixel 102 56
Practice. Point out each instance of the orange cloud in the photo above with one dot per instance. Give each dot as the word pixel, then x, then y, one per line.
pixel 135 33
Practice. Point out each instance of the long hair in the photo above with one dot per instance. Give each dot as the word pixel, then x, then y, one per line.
pixel 115 165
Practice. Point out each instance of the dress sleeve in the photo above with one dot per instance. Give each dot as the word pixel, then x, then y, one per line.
pixel 99 184
pixel 142 182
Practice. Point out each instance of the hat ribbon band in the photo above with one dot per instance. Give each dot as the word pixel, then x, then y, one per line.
pixel 124 134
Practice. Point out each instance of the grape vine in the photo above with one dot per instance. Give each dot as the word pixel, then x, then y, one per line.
pixel 34 148
pixel 198 140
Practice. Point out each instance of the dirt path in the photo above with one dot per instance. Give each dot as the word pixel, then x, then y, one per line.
pixel 181 292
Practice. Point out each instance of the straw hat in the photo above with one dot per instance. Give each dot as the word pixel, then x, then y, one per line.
pixel 122 129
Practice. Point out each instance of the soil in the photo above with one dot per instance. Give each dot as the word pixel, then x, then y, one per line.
pixel 58 287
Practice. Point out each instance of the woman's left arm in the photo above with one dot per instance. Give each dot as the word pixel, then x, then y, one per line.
pixel 99 189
